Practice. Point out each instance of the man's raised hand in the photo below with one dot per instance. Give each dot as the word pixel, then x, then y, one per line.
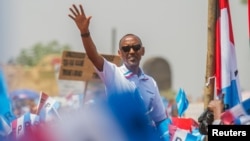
pixel 78 15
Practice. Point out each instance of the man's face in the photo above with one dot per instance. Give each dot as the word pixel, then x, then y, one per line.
pixel 130 51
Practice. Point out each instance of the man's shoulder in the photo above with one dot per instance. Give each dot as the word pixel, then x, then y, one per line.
pixel 149 77
pixel 108 63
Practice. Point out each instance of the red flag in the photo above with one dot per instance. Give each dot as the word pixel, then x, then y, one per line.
pixel 226 72
pixel 184 123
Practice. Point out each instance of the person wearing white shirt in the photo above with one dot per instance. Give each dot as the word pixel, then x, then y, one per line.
pixel 128 78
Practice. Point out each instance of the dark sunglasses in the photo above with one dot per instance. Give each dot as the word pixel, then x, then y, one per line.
pixel 128 48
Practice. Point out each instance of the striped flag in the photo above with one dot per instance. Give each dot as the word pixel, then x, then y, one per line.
pixel 47 107
pixel 226 71
pixel 183 135
pixel 243 120
pixel 24 127
pixel 182 102
pixel 176 132
pixel 18 127
pixel 231 115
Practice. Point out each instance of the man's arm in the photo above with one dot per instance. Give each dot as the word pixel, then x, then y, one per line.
pixel 163 130
pixel 82 22
pixel 216 106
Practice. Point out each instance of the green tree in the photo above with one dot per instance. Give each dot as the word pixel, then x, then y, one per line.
pixel 31 56
pixel 244 1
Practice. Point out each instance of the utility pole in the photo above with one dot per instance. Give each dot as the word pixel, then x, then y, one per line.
pixel 210 65
pixel 113 40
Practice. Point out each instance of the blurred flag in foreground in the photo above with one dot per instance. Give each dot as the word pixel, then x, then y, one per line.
pixel 5 128
pixel 28 127
pixel 226 72
pixel 182 102
pixel 242 120
pixel 185 123
pixel 176 132
pixel 236 112
pixel 183 135
pixel 131 115
pixel 23 125
pixel 47 107
pixel 6 114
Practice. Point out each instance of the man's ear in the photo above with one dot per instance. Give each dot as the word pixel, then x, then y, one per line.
pixel 142 51
pixel 119 52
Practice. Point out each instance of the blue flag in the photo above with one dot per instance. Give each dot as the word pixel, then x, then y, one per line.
pixel 6 114
pixel 182 102
pixel 3 86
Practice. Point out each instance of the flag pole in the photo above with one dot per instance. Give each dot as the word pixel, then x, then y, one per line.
pixel 210 64
pixel 248 16
pixel 113 41
pixel 85 90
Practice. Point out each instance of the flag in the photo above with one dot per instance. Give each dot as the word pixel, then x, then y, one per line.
pixel 47 108
pixel 5 128
pixel 231 115
pixel 242 120
pixel 188 126
pixel 6 114
pixel 18 127
pixel 183 135
pixel 196 132
pixel 226 72
pixel 75 100
pixel 182 102
pixel 3 85
pixel 29 128
pixel 184 123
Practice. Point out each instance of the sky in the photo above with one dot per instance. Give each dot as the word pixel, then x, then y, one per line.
pixel 173 29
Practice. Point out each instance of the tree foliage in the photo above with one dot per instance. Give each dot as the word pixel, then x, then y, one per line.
pixel 31 56
pixel 244 1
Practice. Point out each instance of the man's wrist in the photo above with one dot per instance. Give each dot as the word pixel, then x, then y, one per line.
pixel 85 35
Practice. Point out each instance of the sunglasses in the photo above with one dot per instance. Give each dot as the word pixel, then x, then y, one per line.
pixel 128 48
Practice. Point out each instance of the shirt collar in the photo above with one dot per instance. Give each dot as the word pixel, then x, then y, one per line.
pixel 128 74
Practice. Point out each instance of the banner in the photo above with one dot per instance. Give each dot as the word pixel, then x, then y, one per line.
pixel 77 66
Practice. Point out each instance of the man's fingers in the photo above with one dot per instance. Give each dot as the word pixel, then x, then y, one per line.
pixel 76 9
pixel 73 12
pixel 71 17
pixel 82 12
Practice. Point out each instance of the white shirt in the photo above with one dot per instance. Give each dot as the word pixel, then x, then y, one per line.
pixel 121 80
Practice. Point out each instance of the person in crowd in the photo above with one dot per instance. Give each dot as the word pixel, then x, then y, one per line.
pixel 217 108
pixel 128 78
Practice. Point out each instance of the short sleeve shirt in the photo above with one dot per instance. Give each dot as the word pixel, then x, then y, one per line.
pixel 121 80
